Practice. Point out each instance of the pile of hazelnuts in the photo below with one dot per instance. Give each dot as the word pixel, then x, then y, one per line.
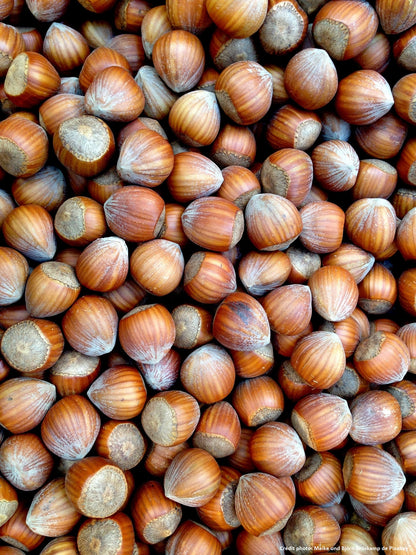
pixel 207 277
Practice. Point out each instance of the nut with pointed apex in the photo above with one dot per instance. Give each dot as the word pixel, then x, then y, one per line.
pixel 103 264
pixel 376 417
pixel 145 158
pixel 316 71
pixel 322 226
pixel 155 23
pixel 46 188
pixel 395 17
pixel 24 402
pixel 90 325
pixel 65 47
pixel 185 120
pixel 51 513
pixel 288 308
pixel 119 392
pixel 261 272
pixel 135 213
pixel 240 323
pixel 370 223
pixel 114 95
pixel 159 99
pixel 267 228
pixel 51 288
pixel 354 259
pixel 179 59
pixel 293 127
pixel 193 175
pixel 264 503
pixel 398 532
pixel 378 290
pixel 29 229
pixel 209 277
pixel 14 271
pixel 208 373
pixel 363 97
pixel 163 374
pixel 372 475
pixel 213 223
pixel 157 266
pixel 322 420
pixel 25 461
pixel 147 333
pixel 244 91
pixel 319 358
pixel 334 293
pixel 192 478
pixel 335 165
pixel 70 427
pixel 277 449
